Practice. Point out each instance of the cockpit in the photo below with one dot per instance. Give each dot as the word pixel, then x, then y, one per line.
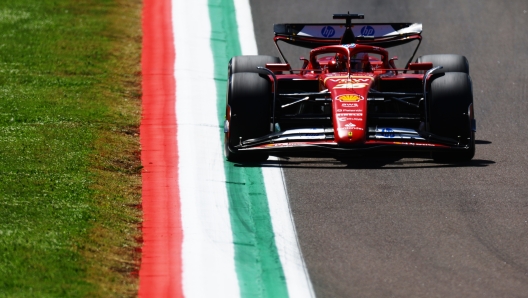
pixel 354 59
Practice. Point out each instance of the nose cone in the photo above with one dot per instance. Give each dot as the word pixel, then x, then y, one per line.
pixel 349 107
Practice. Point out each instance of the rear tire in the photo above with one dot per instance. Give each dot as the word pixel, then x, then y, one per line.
pixel 248 98
pixel 249 63
pixel 450 97
pixel 450 62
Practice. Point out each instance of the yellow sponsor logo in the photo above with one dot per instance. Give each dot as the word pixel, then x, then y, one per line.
pixel 350 134
pixel 350 97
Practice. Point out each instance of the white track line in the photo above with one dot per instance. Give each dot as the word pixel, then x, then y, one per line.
pixel 297 278
pixel 207 249
pixel 246 32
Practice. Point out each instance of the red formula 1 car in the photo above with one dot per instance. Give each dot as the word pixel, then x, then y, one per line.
pixel 349 97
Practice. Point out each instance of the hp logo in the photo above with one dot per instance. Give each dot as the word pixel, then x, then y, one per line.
pixel 388 133
pixel 328 31
pixel 367 31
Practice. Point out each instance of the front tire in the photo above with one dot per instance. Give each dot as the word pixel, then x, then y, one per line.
pixel 248 100
pixel 451 97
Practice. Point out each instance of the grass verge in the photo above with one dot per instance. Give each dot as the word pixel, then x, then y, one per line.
pixel 69 147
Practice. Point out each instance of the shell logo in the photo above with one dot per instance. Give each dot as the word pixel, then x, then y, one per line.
pixel 350 97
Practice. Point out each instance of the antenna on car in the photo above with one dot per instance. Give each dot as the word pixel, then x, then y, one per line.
pixel 348 36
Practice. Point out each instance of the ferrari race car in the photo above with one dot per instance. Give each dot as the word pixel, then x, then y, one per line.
pixel 349 97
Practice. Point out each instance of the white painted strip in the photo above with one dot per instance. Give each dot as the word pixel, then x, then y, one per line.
pixel 246 32
pixel 207 249
pixel 297 278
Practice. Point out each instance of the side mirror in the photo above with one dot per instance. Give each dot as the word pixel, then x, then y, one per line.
pixel 277 67
pixel 305 62
pixel 391 63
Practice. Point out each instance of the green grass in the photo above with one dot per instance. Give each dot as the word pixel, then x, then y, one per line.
pixel 69 152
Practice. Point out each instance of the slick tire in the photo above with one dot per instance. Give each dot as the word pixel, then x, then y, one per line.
pixel 450 62
pixel 450 98
pixel 248 99
pixel 249 63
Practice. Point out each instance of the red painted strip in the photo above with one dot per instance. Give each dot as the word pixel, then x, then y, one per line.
pixel 160 274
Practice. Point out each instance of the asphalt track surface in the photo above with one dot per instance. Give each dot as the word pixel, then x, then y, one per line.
pixel 389 227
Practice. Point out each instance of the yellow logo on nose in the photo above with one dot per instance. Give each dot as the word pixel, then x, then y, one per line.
pixel 350 134
pixel 350 97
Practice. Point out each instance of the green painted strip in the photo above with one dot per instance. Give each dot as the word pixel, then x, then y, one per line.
pixel 257 262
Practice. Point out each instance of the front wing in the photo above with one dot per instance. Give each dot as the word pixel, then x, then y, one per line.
pixel 320 141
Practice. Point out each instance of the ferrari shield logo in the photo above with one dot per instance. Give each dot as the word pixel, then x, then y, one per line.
pixel 350 134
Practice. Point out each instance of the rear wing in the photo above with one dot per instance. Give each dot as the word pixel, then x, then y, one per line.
pixel 377 34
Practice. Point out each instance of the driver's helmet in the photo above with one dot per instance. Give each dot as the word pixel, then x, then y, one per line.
pixel 341 62
pixel 360 62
